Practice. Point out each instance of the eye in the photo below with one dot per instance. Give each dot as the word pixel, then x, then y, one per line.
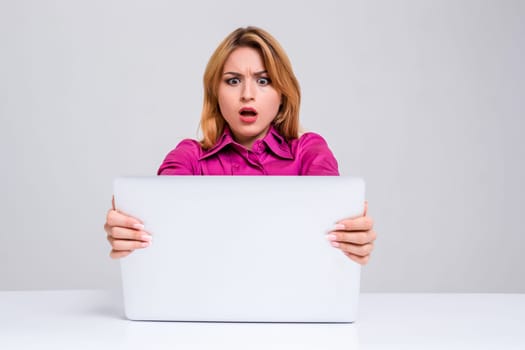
pixel 264 81
pixel 233 81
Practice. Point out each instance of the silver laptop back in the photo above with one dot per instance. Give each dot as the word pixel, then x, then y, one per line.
pixel 240 249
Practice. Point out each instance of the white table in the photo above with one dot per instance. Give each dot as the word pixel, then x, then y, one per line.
pixel 93 319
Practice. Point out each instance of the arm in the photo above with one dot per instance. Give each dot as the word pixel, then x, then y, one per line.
pixel 183 160
pixel 315 156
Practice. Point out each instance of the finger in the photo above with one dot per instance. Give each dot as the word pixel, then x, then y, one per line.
pixel 122 244
pixel 361 260
pixel 130 234
pixel 357 237
pixel 117 254
pixel 354 249
pixel 362 223
pixel 366 208
pixel 113 203
pixel 115 218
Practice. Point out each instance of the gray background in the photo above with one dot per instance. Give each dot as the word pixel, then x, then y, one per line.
pixel 424 99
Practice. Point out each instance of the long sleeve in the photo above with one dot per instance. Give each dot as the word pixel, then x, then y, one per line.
pixel 315 156
pixel 183 160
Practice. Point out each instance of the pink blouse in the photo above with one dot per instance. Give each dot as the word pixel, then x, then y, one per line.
pixel 272 155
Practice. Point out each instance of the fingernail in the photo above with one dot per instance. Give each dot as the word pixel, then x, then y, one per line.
pixel 335 244
pixel 331 237
pixel 138 226
pixel 145 244
pixel 146 238
pixel 339 227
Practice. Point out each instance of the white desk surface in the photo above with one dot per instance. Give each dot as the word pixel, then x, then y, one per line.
pixel 93 319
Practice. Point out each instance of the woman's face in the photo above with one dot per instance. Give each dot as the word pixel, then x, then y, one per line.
pixel 247 99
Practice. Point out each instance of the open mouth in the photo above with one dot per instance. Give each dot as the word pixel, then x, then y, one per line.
pixel 248 112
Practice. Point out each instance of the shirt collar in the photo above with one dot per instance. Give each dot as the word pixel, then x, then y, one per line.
pixel 273 140
pixel 277 143
pixel 224 140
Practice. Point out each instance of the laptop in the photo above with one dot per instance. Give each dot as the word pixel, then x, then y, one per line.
pixel 240 248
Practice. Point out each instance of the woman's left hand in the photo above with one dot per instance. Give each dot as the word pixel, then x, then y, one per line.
pixel 355 237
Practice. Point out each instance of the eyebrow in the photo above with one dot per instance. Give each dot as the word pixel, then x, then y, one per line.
pixel 240 75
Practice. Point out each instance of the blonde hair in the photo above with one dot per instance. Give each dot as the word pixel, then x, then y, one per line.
pixel 279 70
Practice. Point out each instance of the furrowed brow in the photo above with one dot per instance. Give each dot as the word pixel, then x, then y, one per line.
pixel 240 75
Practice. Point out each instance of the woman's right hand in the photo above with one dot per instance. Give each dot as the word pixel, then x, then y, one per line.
pixel 125 233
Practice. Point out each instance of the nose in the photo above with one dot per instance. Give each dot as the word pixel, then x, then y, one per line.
pixel 248 91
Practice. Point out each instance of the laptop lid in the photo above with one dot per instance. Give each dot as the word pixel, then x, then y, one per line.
pixel 243 248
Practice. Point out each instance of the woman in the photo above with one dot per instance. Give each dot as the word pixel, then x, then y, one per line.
pixel 250 126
